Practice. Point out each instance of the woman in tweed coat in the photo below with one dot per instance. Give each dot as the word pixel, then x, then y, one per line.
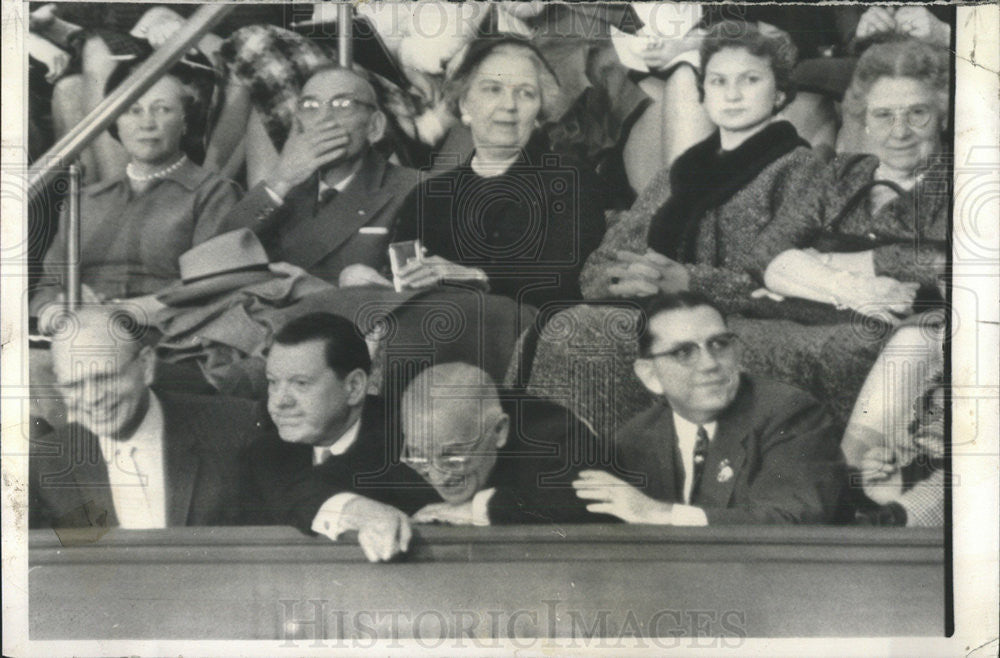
pixel 818 343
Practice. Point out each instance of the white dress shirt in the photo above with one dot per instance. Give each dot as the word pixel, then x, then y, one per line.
pixel 136 472
pixel 687 437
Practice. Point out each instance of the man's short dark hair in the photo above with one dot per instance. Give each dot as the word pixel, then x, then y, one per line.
pixel 345 348
pixel 361 73
pixel 665 303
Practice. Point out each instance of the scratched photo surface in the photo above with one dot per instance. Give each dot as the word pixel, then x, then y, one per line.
pixel 468 326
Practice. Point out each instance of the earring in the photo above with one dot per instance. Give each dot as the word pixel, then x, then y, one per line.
pixel 466 119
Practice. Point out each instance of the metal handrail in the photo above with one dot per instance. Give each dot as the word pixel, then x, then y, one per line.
pixel 102 116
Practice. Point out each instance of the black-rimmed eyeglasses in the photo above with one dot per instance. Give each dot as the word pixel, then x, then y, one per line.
pixel 687 354
pixel 340 106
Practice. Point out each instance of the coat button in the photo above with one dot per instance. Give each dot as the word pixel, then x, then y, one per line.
pixel 361 212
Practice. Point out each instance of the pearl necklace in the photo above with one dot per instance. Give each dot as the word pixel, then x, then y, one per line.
pixel 138 178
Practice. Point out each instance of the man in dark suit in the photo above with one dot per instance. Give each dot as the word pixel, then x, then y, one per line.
pixel 331 200
pixel 129 456
pixel 722 447
pixel 495 457
pixel 333 464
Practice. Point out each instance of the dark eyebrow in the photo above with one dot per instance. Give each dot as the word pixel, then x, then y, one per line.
pixel 681 346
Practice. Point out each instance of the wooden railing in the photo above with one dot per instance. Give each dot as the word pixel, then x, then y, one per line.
pixel 566 582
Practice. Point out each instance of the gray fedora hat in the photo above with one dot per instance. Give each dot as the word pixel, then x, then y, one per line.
pixel 225 263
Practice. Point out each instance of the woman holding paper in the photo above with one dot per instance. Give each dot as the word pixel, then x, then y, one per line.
pixel 514 218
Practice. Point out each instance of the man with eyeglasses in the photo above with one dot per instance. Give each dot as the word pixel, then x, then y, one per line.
pixel 494 456
pixel 722 447
pixel 330 201
pixel 130 456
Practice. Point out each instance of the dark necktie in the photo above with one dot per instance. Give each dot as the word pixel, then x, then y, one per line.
pixel 327 195
pixel 700 455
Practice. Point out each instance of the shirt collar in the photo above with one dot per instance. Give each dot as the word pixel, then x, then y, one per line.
pixel 188 175
pixel 340 187
pixel 146 436
pixel 686 428
pixel 339 447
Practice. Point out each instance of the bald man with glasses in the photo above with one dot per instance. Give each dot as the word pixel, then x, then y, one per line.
pixel 494 456
pixel 330 201
pixel 721 446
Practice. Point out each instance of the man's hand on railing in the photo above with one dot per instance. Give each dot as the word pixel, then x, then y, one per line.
pixel 610 495
pixel 383 531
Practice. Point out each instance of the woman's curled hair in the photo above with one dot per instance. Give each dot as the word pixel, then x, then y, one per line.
pixel 758 39
pixel 900 58
pixel 460 80
pixel 198 85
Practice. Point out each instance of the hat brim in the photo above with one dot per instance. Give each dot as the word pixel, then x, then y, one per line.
pixel 185 293
pixel 369 49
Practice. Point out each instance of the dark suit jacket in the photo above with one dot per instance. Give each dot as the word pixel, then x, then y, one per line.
pixel 203 438
pixel 775 458
pixel 323 240
pixel 547 446
pixel 284 488
pixel 532 475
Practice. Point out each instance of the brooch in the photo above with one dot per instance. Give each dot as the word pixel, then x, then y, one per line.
pixel 725 471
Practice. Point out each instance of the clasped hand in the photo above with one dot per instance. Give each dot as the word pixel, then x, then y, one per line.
pixel 881 476
pixel 642 275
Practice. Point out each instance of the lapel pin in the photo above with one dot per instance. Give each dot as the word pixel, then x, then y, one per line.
pixel 725 471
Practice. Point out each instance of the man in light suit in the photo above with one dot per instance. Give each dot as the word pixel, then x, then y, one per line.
pixel 129 456
pixel 331 200
pixel 722 447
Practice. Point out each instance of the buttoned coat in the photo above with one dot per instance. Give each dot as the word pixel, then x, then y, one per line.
pixel 353 227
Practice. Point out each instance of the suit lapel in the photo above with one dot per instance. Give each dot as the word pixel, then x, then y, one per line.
pixel 182 462
pixel 320 231
pixel 727 455
pixel 671 464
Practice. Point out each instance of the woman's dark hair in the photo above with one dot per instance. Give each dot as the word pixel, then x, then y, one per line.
pixel 900 58
pixel 758 39
pixel 460 79
pixel 345 349
pixel 198 85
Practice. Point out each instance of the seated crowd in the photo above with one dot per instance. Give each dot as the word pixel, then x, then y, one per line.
pixel 732 236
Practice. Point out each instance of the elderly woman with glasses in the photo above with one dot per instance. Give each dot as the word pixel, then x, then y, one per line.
pixel 879 222
pixel 884 239
pixel 515 218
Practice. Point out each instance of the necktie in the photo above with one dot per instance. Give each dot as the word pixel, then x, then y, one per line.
pixel 327 195
pixel 700 455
